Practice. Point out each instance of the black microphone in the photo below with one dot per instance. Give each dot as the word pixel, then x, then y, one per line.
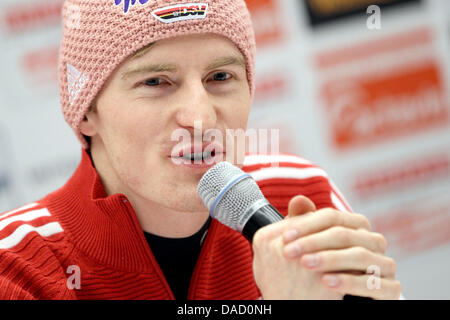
pixel 233 197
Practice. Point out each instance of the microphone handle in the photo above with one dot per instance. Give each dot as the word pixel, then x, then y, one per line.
pixel 261 218
pixel 267 215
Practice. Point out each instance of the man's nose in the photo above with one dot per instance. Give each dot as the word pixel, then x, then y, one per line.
pixel 194 105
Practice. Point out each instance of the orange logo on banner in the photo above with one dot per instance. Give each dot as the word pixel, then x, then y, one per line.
pixel 266 21
pixel 388 102
pixel 371 108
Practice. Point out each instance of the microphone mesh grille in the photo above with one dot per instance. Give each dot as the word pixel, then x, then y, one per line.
pixel 235 201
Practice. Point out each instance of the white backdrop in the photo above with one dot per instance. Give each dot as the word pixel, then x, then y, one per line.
pixel 369 106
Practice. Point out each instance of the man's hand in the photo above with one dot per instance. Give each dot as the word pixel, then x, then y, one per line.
pixel 322 254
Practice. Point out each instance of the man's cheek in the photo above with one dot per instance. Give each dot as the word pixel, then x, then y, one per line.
pixel 132 170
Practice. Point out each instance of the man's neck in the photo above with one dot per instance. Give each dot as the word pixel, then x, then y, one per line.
pixel 168 223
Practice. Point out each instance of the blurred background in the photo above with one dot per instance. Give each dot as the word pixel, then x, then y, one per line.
pixel 361 90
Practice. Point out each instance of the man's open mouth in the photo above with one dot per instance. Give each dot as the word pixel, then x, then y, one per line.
pixel 198 155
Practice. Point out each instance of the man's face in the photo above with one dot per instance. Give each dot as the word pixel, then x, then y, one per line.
pixel 176 82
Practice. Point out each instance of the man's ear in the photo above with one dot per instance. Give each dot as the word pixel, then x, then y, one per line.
pixel 87 126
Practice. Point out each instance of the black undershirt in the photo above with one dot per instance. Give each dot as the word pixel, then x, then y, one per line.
pixel 177 258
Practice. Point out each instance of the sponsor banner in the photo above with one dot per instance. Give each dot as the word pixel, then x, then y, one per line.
pixel 267 21
pixel 43 151
pixel 413 227
pixel 372 109
pixel 383 117
pixel 270 87
pixel 8 195
pixel 31 31
pixel 29 16
pixel 277 134
pixel 273 108
pixel 379 48
pixel 402 174
pixel 380 105
pixel 323 11
pixel 44 176
pixel 39 66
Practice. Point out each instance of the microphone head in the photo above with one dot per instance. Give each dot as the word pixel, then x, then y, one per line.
pixel 230 194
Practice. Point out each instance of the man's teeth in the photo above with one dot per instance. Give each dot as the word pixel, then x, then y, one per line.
pixel 197 155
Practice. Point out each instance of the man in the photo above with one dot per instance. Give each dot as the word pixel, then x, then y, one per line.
pixel 129 223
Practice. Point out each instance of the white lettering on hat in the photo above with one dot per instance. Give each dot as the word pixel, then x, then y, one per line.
pixel 75 82
pixel 180 12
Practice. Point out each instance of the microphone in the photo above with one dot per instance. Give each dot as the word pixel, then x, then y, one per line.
pixel 234 198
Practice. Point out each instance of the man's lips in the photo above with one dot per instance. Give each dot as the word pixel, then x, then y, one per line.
pixel 208 148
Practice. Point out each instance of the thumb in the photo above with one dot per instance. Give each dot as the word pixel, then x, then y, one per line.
pixel 300 205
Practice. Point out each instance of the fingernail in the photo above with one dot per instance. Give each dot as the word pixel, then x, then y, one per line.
pixel 332 281
pixel 312 260
pixel 292 250
pixel 291 235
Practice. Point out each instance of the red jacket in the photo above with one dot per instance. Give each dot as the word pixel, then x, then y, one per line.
pixel 79 231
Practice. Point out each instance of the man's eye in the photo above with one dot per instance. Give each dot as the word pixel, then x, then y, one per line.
pixel 221 76
pixel 153 82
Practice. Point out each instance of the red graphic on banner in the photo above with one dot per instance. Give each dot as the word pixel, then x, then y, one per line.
pixel 267 86
pixel 26 16
pixel 405 174
pixel 266 21
pixel 41 65
pixel 417 227
pixel 365 50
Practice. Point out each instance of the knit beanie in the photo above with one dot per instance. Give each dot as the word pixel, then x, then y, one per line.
pixel 100 34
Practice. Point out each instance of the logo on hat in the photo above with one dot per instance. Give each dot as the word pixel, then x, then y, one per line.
pixel 75 82
pixel 127 3
pixel 179 12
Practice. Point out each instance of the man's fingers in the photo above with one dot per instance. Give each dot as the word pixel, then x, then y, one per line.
pixel 322 220
pixel 356 259
pixel 300 205
pixel 363 285
pixel 335 238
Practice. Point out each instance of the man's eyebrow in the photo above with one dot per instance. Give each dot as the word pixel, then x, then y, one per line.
pixel 162 67
pixel 226 61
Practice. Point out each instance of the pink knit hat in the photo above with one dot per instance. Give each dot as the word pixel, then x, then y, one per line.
pixel 99 34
